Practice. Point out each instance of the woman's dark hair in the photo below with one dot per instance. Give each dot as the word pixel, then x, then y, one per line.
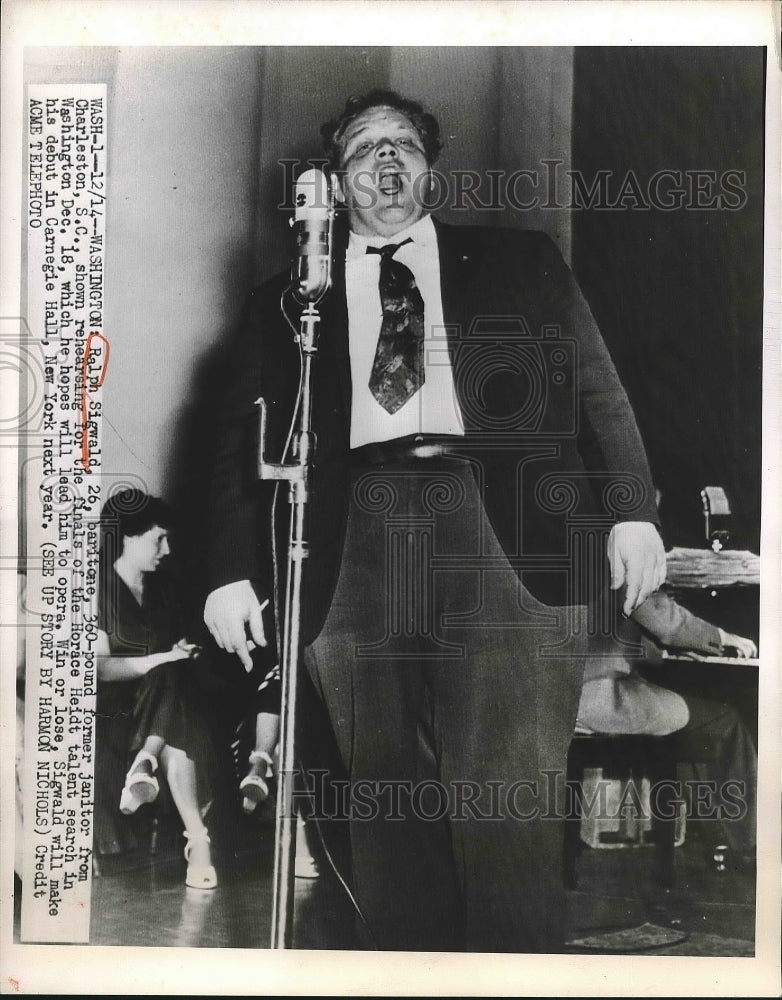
pixel 425 124
pixel 132 512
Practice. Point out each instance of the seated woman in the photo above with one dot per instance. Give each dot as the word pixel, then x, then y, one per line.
pixel 146 707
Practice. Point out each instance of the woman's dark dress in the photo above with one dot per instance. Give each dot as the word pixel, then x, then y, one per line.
pixel 161 703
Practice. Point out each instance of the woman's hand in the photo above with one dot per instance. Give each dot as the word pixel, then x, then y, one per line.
pixel 130 668
pixel 182 650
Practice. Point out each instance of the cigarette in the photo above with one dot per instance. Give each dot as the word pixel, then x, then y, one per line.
pixel 250 644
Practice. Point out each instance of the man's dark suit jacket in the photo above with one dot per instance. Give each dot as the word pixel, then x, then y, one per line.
pixel 548 424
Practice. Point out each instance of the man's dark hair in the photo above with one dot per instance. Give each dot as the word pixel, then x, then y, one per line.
pixel 132 512
pixel 425 124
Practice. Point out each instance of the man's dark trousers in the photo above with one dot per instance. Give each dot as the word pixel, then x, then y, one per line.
pixel 453 694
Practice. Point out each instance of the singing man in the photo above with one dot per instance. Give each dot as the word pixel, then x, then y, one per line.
pixel 479 474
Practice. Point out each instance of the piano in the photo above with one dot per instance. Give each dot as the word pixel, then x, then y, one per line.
pixel 721 585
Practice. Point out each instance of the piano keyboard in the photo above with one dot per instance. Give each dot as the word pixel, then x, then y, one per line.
pixel 738 661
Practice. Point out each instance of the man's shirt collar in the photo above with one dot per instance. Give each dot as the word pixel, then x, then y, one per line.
pixel 422 233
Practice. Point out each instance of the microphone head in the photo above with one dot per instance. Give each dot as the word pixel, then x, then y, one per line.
pixel 312 197
pixel 312 223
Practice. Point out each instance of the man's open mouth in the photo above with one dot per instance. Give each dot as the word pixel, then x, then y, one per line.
pixel 390 183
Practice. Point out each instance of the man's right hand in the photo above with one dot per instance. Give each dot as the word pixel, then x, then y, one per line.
pixel 227 612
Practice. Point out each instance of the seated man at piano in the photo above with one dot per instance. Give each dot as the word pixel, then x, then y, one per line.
pixel 617 699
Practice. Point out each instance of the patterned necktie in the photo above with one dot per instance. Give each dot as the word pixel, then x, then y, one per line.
pixel 398 369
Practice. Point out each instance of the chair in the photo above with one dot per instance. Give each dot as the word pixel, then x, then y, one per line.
pixel 652 757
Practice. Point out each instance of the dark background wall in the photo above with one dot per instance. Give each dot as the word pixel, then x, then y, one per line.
pixel 678 294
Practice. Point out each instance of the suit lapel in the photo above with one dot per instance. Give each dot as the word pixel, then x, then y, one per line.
pixel 335 347
pixel 458 264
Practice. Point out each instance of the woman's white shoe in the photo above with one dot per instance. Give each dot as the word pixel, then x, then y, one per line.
pixel 254 786
pixel 199 876
pixel 140 786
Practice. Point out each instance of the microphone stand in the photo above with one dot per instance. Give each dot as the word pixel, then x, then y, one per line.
pixel 297 474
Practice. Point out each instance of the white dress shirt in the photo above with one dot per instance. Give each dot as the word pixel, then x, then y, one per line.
pixel 434 408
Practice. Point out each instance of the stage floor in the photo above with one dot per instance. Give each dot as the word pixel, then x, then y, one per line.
pixel 140 899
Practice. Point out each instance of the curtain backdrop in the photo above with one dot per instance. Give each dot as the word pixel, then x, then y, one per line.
pixel 500 109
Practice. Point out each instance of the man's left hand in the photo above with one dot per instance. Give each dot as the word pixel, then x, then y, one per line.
pixel 745 648
pixel 637 557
